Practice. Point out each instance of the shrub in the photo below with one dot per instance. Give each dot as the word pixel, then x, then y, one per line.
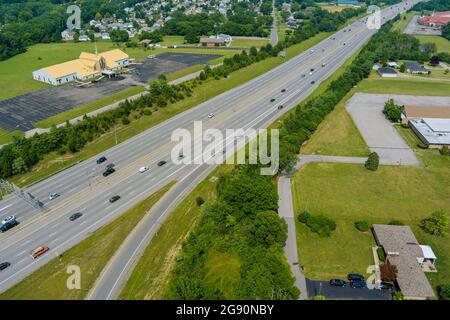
pixel 398 295
pixel 321 225
pixel 392 111
pixel 444 292
pixel 437 224
pixel 381 254
pixel 396 223
pixel 362 225
pixel 199 201
pixel 405 125
pixel 304 216
pixel 125 120
pixel 147 112
pixel 444 151
pixel 372 162
pixel 422 145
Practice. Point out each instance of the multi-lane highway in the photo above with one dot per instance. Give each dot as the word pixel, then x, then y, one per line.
pixel 84 189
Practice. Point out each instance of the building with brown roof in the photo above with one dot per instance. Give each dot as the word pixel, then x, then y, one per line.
pixel 411 259
pixel 212 42
pixel 417 112
pixel 436 20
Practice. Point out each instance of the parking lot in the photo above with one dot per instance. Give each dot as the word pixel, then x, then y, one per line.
pixel 414 28
pixel 380 135
pixel 19 113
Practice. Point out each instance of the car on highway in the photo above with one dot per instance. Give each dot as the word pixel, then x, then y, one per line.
pixel 272 100
pixel 108 171
pixel 280 107
pixel 8 219
pixel 283 90
pixel 161 163
pixel 143 169
pixel 357 284
pixel 181 156
pixel 4 265
pixel 303 75
pixel 337 283
pixel 355 277
pixel 53 196
pixel 75 216
pixel 5 227
pixel 211 115
pixel 312 70
pixel 344 43
pixel 114 199
pixel 312 82
pixel 39 251
pixel 101 160
pixel 323 64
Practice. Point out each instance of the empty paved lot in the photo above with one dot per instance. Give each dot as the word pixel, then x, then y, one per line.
pixel 380 135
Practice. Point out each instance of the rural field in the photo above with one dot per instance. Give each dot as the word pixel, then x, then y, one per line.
pixel 348 193
pixel 442 44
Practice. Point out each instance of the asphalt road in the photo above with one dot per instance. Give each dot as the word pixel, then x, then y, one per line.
pixel 83 188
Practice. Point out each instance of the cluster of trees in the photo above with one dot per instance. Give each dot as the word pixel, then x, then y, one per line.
pixel 321 225
pixel 392 111
pixel 22 153
pixel 436 5
pixel 299 126
pixel 446 31
pixel 243 223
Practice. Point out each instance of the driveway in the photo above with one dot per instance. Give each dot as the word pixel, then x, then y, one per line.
pixel 380 135
pixel 346 293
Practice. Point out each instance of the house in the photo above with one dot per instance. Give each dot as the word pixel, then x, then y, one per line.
pixel 376 66
pixel 387 72
pixel 212 42
pixel 415 67
pixel 434 132
pixel 86 67
pixel 437 20
pixel 84 38
pixel 411 259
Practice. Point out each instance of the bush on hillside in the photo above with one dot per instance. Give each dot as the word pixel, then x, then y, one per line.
pixel 362 225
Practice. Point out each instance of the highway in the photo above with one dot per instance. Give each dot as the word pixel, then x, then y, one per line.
pixel 83 188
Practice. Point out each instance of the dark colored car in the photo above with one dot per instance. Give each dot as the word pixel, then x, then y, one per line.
pixel 280 107
pixel 8 226
pixel 357 284
pixel 4 265
pixel 75 216
pixel 386 286
pixel 337 282
pixel 312 82
pixel 114 199
pixel 303 75
pixel 283 90
pixel 272 100
pixel 108 172
pixel 111 165
pixel 355 277
pixel 101 160
pixel 161 163
pixel 312 69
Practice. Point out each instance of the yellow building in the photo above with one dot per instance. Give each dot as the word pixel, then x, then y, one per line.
pixel 86 67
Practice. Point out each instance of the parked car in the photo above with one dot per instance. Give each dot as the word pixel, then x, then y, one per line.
pixel 114 199
pixel 337 283
pixel 38 252
pixel 161 163
pixel 75 216
pixel 4 265
pixel 355 277
pixel 108 171
pixel 101 160
pixel 386 286
pixel 357 284
pixel 143 169
pixel 8 219
pixel 53 196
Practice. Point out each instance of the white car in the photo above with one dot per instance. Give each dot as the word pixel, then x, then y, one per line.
pixel 211 115
pixel 8 219
pixel 143 169
pixel 53 196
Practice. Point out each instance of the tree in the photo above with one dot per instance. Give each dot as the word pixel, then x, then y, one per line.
pixel 434 60
pixel 437 224
pixel 444 292
pixel 402 68
pixel 199 201
pixel 191 38
pixel 388 272
pixel 19 166
pixel 372 162
pixel 392 111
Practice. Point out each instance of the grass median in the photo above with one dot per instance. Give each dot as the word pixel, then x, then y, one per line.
pixel 91 255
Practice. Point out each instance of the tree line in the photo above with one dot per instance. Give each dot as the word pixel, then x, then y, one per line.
pixel 243 223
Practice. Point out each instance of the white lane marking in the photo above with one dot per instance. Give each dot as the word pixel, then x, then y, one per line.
pixel 54 240
pixel 20 253
pixel 55 225
pixel 52 234
pixel 24 243
pixel 20 261
pixel 4 208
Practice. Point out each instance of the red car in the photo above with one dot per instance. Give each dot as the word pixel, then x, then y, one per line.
pixel 38 252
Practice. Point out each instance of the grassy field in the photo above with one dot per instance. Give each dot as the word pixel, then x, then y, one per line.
pixel 89 107
pixel 91 255
pixel 401 24
pixel 149 278
pixel 331 8
pixel 442 44
pixel 53 162
pixel 247 43
pixel 7 136
pixel 404 86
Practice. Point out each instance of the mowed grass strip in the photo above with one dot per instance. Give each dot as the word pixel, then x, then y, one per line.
pixel 54 162
pixel 442 44
pixel 91 255
pixel 89 107
pixel 150 277
pixel 417 86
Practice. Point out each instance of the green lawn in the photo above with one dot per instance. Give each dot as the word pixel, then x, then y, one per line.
pixel 401 24
pixel 442 44
pixel 404 86
pixel 54 162
pixel 89 107
pixel 172 41
pixel 247 43
pixel 150 277
pixel 6 136
pixel 91 255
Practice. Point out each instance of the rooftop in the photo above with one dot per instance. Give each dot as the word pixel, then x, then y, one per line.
pixel 415 66
pixel 435 131
pixel 387 71
pixel 403 251
pixel 427 112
